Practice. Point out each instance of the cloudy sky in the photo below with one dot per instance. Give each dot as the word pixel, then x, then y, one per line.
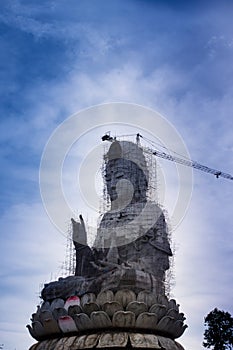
pixel 61 57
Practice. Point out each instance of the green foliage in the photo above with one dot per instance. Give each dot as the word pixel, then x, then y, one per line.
pixel 219 331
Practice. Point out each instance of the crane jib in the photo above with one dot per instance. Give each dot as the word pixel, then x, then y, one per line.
pixel 175 159
pixel 192 164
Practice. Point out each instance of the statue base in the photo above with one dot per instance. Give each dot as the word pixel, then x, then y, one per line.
pixel 105 340
pixel 109 319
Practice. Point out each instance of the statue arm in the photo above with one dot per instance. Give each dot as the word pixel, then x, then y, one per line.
pixel 79 231
pixel 84 254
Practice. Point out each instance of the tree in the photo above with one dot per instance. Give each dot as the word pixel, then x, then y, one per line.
pixel 219 331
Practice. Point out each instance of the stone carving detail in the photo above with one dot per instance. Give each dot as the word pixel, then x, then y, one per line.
pixel 123 319
pixel 108 340
pixel 125 296
pixel 105 340
pixel 83 322
pixel 67 324
pixel 137 307
pixel 88 308
pixel 123 309
pixel 100 320
pixel 111 307
pixel 139 340
pixel 147 320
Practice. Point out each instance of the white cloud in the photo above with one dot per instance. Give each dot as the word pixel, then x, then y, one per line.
pixel 33 250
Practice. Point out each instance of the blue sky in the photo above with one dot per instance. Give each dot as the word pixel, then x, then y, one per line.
pixel 59 57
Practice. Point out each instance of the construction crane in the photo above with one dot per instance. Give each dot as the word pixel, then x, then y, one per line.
pixel 179 160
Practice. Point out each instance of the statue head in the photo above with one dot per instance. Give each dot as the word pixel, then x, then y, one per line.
pixel 126 173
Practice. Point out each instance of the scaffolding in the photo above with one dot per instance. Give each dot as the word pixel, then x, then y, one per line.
pixel 133 151
pixel 68 265
pixel 150 169
pixel 150 164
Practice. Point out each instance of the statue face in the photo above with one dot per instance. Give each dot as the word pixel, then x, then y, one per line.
pixel 123 169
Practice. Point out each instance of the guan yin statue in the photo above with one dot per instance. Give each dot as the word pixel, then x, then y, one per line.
pixel 117 297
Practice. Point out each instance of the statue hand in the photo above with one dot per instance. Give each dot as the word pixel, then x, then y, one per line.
pixel 79 231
